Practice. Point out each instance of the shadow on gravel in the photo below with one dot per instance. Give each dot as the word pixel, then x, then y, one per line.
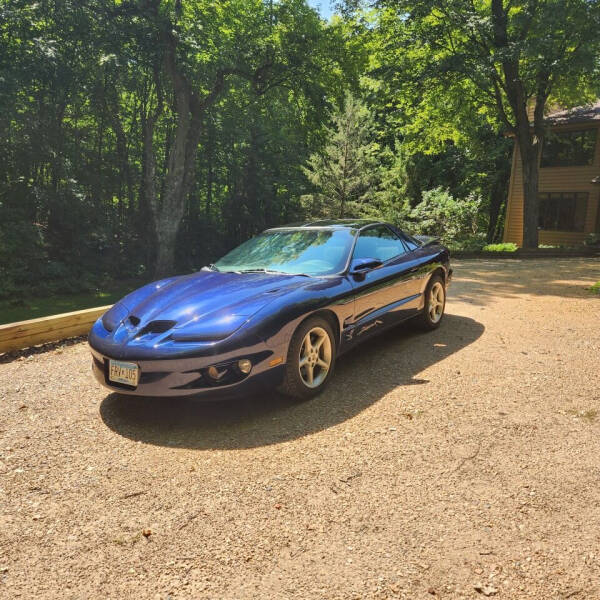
pixel 362 377
pixel 479 282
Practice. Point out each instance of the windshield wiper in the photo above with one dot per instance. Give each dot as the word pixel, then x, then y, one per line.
pixel 271 272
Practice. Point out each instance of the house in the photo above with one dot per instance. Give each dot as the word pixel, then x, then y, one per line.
pixel 569 180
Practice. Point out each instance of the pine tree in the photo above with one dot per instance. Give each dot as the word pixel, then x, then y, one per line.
pixel 345 173
pixel 393 198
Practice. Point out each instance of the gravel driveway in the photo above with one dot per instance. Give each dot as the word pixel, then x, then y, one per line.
pixel 461 463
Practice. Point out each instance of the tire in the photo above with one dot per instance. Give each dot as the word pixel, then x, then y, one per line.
pixel 435 304
pixel 304 381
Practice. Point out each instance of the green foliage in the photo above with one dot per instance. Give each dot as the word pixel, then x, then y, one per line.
pixel 449 143
pixel 33 306
pixel 392 198
pixel 441 215
pixel 354 176
pixel 80 85
pixel 592 239
pixel 215 120
pixel 458 58
pixel 504 247
pixel 596 288
pixel 457 68
pixel 344 172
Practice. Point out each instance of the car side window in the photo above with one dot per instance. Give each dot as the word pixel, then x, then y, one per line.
pixel 378 242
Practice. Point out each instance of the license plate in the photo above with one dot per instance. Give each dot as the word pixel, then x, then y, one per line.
pixel 123 372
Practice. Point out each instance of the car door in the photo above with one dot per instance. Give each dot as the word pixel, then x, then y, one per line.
pixel 382 296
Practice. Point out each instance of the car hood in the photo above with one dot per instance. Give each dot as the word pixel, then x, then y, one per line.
pixel 205 306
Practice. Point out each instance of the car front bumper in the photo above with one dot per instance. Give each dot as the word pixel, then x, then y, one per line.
pixel 187 376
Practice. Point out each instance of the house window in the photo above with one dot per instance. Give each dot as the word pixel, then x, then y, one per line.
pixel 563 211
pixel 569 148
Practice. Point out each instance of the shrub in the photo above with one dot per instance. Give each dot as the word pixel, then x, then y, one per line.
pixel 592 239
pixel 596 288
pixel 469 243
pixel 454 220
pixel 505 247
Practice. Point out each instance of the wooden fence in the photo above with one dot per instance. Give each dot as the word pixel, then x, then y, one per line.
pixel 24 334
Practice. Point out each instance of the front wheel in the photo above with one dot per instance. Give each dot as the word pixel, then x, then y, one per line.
pixel 311 359
pixel 435 303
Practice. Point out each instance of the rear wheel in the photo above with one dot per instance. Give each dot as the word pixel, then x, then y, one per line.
pixel 311 359
pixel 435 303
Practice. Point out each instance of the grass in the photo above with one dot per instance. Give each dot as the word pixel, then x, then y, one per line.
pixel 32 308
pixel 589 415
pixel 596 288
pixel 506 247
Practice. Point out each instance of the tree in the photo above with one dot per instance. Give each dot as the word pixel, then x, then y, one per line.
pixel 393 198
pixel 496 57
pixel 101 104
pixel 345 172
pixel 263 44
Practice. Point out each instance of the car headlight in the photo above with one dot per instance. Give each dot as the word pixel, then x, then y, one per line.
pixel 212 329
pixel 112 318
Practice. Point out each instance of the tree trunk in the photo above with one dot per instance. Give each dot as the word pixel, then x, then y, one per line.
pixel 113 110
pixel 529 141
pixel 179 181
pixel 148 198
pixel 529 161
pixel 496 199
pixel 209 176
pixel 528 138
pixel 498 196
pixel 168 211
pixel 167 227
pixel 529 148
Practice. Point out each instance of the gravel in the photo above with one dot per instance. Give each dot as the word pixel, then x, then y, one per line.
pixel 457 464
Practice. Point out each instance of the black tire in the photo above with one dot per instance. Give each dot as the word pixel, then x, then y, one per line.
pixel 294 383
pixel 426 320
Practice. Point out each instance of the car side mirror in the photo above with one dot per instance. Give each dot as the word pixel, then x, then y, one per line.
pixel 361 266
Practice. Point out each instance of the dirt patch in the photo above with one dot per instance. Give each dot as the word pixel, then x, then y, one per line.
pixel 461 463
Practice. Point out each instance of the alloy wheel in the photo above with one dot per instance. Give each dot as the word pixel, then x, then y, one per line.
pixel 315 357
pixel 436 302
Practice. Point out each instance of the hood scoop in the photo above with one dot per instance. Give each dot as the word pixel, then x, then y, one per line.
pixel 156 327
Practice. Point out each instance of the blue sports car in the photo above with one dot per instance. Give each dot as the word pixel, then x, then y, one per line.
pixel 277 311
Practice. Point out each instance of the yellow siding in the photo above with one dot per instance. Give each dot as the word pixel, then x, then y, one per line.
pixel 513 226
pixel 554 179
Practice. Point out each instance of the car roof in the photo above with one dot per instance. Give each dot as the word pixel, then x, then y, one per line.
pixel 331 224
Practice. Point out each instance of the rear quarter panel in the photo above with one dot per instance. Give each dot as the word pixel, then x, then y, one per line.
pixel 431 258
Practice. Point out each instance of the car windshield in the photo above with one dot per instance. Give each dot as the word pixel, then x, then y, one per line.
pixel 292 251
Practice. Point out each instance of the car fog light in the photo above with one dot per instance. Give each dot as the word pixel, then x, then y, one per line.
pixel 245 366
pixel 214 373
